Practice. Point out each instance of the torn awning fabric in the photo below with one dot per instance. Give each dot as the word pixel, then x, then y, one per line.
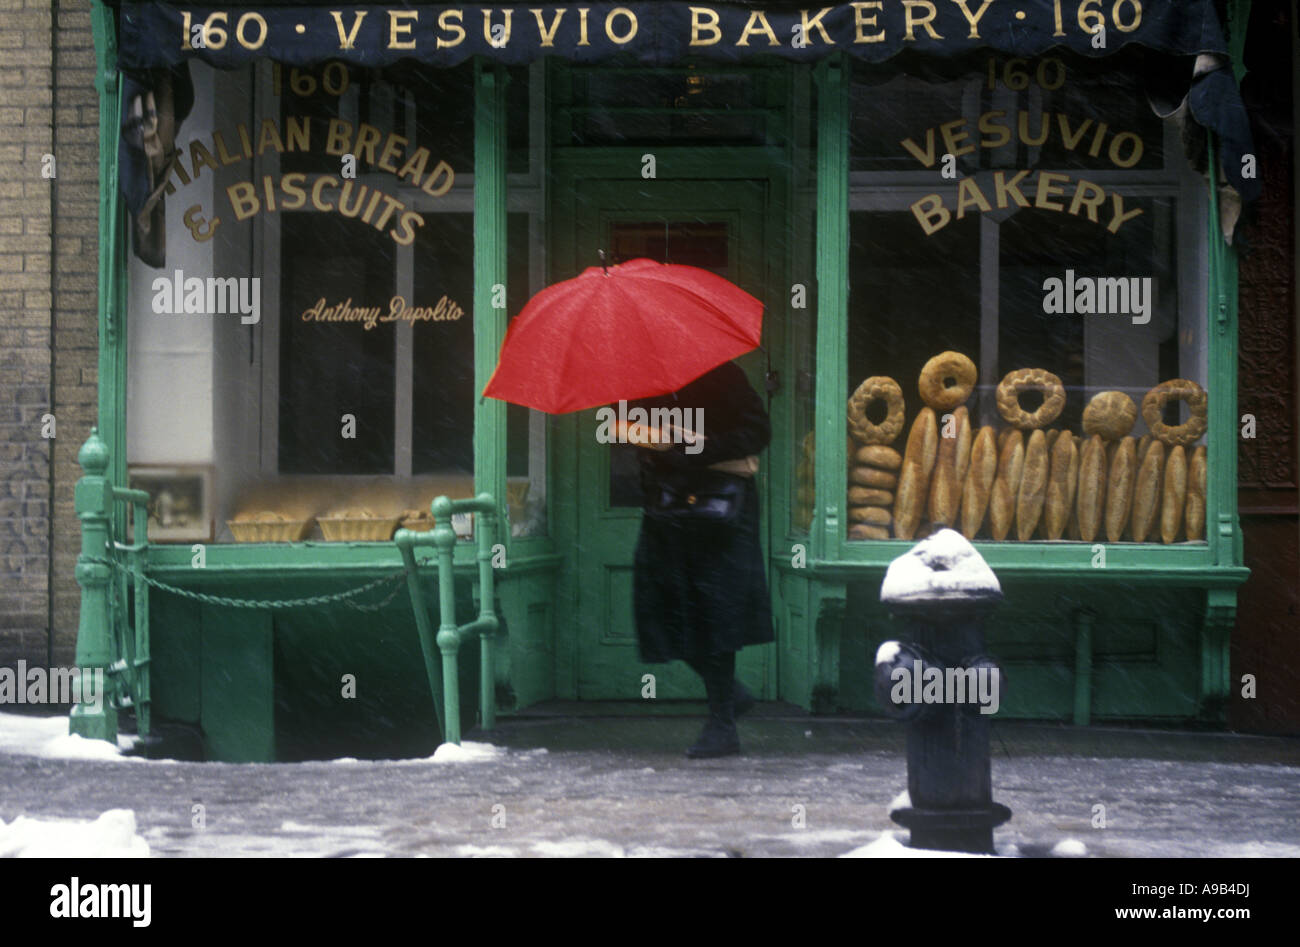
pixel 1171 34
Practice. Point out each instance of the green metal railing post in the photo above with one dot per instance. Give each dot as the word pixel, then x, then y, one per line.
pixel 406 541
pixel 444 538
pixel 444 685
pixel 487 620
pixel 94 506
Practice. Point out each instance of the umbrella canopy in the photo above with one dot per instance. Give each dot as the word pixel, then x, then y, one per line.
pixel 631 331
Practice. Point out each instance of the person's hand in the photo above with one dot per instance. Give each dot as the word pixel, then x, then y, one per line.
pixel 643 435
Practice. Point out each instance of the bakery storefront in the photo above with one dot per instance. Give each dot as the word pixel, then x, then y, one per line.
pixel 985 227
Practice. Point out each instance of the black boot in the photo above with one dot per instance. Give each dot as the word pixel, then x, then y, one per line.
pixel 744 700
pixel 719 737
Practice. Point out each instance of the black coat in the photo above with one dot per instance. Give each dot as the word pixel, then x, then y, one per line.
pixel 700 588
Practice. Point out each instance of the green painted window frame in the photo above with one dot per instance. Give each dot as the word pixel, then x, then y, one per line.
pixel 1216 563
pixel 490 240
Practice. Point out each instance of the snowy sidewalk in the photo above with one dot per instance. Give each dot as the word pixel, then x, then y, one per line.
pixel 605 785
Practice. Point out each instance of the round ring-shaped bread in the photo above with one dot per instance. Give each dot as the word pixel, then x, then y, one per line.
pixel 1191 430
pixel 1030 379
pixel 1111 414
pixel 933 383
pixel 876 388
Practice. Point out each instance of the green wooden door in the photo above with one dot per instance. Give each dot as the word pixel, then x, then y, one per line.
pixel 717 225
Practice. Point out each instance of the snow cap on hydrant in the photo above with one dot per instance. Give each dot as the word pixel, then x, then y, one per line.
pixel 942 567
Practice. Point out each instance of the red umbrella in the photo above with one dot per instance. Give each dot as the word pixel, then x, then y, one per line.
pixel 631 331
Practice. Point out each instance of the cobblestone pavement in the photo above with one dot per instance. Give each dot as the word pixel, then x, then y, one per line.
pixel 610 785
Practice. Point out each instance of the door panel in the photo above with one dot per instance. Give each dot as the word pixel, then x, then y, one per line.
pixel 717 225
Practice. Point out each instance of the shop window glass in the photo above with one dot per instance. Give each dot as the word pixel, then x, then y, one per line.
pixel 350 395
pixel 333 371
pixel 1039 257
pixel 632 106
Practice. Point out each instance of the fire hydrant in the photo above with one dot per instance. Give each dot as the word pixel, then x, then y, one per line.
pixel 945 688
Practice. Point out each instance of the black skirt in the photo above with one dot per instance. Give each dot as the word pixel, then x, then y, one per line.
pixel 700 587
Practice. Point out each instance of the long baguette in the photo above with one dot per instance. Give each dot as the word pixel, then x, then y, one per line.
pixel 945 485
pixel 1119 488
pixel 1196 495
pixel 1033 487
pixel 1002 502
pixel 1146 496
pixel 1092 487
pixel 1063 472
pixel 978 485
pixel 1175 494
pixel 965 438
pixel 914 481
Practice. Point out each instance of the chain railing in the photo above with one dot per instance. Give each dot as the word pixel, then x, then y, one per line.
pixel 113 630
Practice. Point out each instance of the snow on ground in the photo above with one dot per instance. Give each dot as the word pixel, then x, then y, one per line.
pixel 888 846
pixel 48 737
pixel 112 835
pixel 467 752
pixel 1070 848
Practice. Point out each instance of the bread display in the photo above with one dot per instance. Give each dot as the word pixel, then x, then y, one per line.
pixel 1024 479
pixel 1030 379
pixel 947 367
pixel 876 455
pixel 864 531
pixel 876 388
pixel 1119 489
pixel 945 486
pixel 871 515
pixel 914 480
pixel 1111 414
pixel 1033 487
pixel 1173 494
pixel 1146 494
pixel 1006 486
pixel 1195 510
pixel 1178 435
pixel 978 484
pixel 1092 487
pixel 1062 480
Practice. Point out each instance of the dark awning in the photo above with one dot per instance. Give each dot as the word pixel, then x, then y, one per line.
pixel 657 33
pixel 1182 41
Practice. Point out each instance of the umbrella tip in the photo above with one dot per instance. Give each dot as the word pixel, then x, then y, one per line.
pixel 603 265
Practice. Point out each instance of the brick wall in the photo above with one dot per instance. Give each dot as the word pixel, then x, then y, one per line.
pixel 48 229
pixel 76 252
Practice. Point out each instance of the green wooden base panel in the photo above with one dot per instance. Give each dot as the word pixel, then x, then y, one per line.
pixel 1142 657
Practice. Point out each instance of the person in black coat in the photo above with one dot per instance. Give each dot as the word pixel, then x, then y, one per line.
pixel 700 589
